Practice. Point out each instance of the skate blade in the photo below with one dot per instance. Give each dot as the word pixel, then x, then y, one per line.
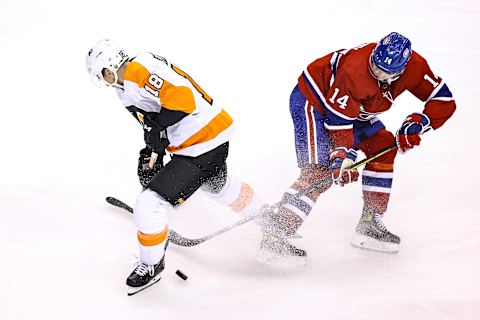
pixel 269 258
pixel 367 243
pixel 266 257
pixel 295 236
pixel 134 290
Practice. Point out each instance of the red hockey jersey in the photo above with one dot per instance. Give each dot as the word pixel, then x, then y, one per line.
pixel 341 86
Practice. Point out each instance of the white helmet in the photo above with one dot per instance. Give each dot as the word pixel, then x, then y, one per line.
pixel 106 54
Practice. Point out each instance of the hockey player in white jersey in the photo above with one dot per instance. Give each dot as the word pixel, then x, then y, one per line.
pixel 178 116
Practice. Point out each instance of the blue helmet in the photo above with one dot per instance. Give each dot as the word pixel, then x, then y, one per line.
pixel 392 53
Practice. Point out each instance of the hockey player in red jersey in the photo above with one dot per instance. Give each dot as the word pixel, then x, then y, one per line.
pixel 334 109
pixel 177 115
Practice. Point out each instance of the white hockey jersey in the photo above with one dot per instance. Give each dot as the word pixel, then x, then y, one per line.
pixel 192 122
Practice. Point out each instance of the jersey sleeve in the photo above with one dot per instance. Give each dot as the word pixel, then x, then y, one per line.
pixel 431 89
pixel 341 111
pixel 172 95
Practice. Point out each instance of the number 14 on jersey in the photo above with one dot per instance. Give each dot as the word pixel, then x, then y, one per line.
pixel 342 101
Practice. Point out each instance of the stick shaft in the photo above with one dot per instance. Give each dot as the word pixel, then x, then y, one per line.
pixel 375 156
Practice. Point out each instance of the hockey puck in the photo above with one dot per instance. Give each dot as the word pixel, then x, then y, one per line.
pixel 181 275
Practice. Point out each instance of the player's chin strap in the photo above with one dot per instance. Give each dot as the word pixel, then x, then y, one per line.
pixel 116 85
pixel 180 240
pixel 102 83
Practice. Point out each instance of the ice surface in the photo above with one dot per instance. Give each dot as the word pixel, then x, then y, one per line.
pixel 66 145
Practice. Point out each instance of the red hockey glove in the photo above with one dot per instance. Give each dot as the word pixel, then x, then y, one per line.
pixel 340 159
pixel 408 136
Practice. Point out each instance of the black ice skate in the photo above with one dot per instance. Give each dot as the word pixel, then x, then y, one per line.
pixel 144 276
pixel 275 244
pixel 372 234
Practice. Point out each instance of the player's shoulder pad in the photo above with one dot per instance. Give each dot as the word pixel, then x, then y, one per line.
pixel 354 67
pixel 144 64
pixel 150 61
pixel 416 61
pixel 416 68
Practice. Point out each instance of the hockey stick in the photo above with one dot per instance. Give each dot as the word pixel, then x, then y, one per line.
pixel 194 242
pixel 300 193
pixel 375 156
pixel 180 240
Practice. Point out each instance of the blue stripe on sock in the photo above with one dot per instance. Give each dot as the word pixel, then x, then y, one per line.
pixel 294 201
pixel 377 182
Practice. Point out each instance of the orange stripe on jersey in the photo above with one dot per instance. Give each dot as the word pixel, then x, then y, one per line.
pixel 149 240
pixel 218 124
pixel 244 198
pixel 177 98
pixel 137 73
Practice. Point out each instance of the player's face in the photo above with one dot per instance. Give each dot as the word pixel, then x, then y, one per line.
pixel 381 75
pixel 108 76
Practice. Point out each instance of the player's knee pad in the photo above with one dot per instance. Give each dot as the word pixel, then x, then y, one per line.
pixel 382 140
pixel 228 193
pixel 314 175
pixel 386 139
pixel 150 212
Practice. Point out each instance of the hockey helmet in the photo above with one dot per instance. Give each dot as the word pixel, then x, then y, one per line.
pixel 106 54
pixel 392 53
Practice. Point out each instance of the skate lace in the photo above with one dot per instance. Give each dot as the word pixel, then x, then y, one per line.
pixel 142 269
pixel 379 222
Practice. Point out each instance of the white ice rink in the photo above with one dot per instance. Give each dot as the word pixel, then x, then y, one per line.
pixel 66 145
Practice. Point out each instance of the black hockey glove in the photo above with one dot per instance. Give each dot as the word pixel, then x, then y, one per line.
pixel 156 141
pixel 144 174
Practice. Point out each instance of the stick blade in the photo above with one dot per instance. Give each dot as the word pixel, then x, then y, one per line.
pixel 117 203
pixel 179 240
